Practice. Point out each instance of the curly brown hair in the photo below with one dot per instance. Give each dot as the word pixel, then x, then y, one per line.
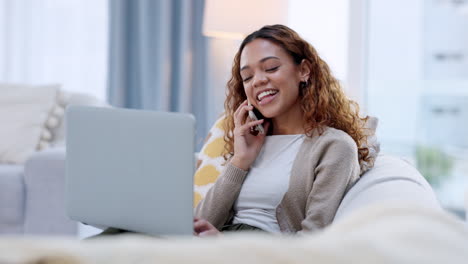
pixel 323 101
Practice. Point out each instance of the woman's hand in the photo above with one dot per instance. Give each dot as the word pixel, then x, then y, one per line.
pixel 246 145
pixel 202 227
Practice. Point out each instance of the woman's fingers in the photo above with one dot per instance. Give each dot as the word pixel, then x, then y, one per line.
pixel 209 233
pixel 250 125
pixel 240 115
pixel 204 228
pixel 240 106
pixel 200 224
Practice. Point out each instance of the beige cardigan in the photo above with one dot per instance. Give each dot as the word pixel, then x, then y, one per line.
pixel 325 167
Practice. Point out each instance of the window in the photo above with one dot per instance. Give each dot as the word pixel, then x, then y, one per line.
pixel 417 84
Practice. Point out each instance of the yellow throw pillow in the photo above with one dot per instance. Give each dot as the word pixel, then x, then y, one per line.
pixel 210 161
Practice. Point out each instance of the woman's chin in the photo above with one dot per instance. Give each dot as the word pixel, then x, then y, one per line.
pixel 268 114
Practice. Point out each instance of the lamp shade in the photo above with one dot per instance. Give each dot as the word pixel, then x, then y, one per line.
pixel 237 18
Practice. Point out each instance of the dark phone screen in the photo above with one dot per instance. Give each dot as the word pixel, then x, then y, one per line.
pixel 258 114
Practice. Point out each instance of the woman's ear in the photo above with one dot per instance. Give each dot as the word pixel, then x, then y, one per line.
pixel 304 70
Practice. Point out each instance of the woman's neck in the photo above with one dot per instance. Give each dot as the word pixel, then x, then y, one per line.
pixel 289 123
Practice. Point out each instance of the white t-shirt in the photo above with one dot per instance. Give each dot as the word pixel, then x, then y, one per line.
pixel 267 182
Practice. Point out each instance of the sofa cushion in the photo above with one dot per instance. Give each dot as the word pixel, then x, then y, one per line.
pixel 65 99
pixel 11 198
pixel 391 179
pixel 44 180
pixel 24 112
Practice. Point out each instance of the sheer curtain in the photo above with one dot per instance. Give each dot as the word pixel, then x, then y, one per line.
pixel 55 41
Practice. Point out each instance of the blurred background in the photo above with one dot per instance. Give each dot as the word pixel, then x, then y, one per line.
pixel 404 61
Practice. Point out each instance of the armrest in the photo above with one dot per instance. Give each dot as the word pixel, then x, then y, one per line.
pixel 45 212
pixel 391 180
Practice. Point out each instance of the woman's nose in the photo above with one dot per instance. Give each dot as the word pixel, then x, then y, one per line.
pixel 259 80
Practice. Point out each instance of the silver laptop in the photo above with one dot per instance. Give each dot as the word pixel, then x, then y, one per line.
pixel 130 169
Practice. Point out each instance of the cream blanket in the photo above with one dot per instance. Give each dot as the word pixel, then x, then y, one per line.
pixel 385 233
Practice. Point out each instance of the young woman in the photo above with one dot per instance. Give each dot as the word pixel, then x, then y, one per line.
pixel 293 177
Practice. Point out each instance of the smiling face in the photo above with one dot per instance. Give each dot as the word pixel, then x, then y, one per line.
pixel 271 78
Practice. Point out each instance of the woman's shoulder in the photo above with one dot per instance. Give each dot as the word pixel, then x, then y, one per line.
pixel 332 136
pixel 332 146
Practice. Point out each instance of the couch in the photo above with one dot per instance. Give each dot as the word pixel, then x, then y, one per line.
pixel 391 180
pixel 390 215
pixel 32 194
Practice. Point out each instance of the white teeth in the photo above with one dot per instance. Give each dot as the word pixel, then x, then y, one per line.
pixel 265 93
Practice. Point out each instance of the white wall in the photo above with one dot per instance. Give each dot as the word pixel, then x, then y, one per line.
pixel 325 25
pixel 357 52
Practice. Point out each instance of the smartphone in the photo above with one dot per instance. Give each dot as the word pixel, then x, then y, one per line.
pixel 254 116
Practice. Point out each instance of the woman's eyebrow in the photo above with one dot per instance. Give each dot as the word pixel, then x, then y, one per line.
pixel 262 60
pixel 269 57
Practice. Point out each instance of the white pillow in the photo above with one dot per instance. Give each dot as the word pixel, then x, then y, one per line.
pixel 372 144
pixel 24 111
pixel 65 99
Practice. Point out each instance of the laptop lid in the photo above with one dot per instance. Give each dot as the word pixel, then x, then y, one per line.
pixel 130 169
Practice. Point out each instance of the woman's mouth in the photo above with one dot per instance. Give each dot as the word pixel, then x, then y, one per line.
pixel 267 96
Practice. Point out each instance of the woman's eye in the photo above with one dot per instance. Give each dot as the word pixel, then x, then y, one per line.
pixel 272 69
pixel 247 79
